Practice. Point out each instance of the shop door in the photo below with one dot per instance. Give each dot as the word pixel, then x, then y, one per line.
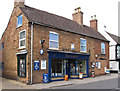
pixel 68 68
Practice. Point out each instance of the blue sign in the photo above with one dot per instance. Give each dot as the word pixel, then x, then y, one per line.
pixel 96 64
pixel 45 78
pixel 36 65
pixel 41 51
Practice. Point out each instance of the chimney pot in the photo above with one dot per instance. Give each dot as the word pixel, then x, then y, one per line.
pixel 78 16
pixel 93 22
pixel 20 3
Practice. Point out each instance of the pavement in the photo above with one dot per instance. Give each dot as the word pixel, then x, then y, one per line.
pixel 12 84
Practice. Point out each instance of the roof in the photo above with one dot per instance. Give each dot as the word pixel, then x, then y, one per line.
pixel 114 37
pixel 59 22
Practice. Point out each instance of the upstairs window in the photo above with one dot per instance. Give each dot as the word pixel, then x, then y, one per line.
pixel 53 40
pixel 2 46
pixel 118 52
pixel 83 45
pixel 19 21
pixel 22 39
pixel 102 48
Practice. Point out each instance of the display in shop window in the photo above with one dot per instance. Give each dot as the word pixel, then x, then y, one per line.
pixel 22 67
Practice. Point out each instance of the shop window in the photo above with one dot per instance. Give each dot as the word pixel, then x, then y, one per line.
pixel 81 66
pixel 53 40
pixel 22 39
pixel 57 68
pixel 83 45
pixel 19 21
pixel 102 48
pixel 22 65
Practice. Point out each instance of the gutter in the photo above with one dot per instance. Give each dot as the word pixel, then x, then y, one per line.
pixel 31 50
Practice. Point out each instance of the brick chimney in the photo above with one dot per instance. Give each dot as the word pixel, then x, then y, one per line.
pixel 93 22
pixel 78 16
pixel 20 3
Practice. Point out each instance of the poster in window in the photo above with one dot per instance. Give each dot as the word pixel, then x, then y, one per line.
pixel 22 67
pixel 43 64
pixel 99 65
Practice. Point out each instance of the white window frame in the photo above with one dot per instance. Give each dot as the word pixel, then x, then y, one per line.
pixel 53 40
pixel 83 45
pixel 21 47
pixel 101 47
pixel 17 20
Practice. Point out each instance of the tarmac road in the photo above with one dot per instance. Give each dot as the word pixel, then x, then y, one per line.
pixel 105 84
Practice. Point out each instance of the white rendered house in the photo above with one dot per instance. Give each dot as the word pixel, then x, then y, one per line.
pixel 114 51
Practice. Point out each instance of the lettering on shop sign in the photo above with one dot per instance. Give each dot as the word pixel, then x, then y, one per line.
pixel 73 56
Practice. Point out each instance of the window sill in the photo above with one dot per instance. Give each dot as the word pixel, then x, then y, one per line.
pixel 53 49
pixel 21 48
pixel 83 51
pixel 19 26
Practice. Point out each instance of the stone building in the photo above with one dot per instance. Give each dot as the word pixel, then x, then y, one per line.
pixel 37 42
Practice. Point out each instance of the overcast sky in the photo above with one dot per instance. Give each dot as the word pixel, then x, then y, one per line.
pixel 105 10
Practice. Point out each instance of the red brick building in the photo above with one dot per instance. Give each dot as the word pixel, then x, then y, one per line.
pixel 37 42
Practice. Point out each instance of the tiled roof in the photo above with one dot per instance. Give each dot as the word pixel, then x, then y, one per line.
pixel 52 20
pixel 114 37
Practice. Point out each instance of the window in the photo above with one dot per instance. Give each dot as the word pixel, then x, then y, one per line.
pixel 118 52
pixel 83 45
pixel 57 67
pixel 19 21
pixel 22 39
pixel 21 65
pixel 81 66
pixel 102 48
pixel 2 46
pixel 53 40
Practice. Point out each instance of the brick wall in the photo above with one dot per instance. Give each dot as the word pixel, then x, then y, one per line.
pixel 65 41
pixel 11 46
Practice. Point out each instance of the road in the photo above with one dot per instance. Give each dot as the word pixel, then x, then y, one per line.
pixel 105 84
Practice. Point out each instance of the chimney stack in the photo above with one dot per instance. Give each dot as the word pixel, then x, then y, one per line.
pixel 20 3
pixel 78 16
pixel 93 22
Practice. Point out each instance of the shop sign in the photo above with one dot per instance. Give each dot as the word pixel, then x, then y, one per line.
pixel 36 65
pixel 43 64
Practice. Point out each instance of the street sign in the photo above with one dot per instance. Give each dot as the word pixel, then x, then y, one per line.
pixel 36 65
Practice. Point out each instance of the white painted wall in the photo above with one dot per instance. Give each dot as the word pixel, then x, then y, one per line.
pixel 112 52
pixel 114 65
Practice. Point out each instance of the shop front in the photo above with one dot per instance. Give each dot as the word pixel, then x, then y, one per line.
pixel 67 63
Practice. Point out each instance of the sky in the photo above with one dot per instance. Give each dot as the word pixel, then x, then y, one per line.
pixel 106 11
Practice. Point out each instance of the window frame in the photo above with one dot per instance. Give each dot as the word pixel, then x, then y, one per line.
pixel 22 39
pixel 83 45
pixel 53 40
pixel 104 48
pixel 18 25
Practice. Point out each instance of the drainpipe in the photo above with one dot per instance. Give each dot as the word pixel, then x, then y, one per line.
pixel 31 49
